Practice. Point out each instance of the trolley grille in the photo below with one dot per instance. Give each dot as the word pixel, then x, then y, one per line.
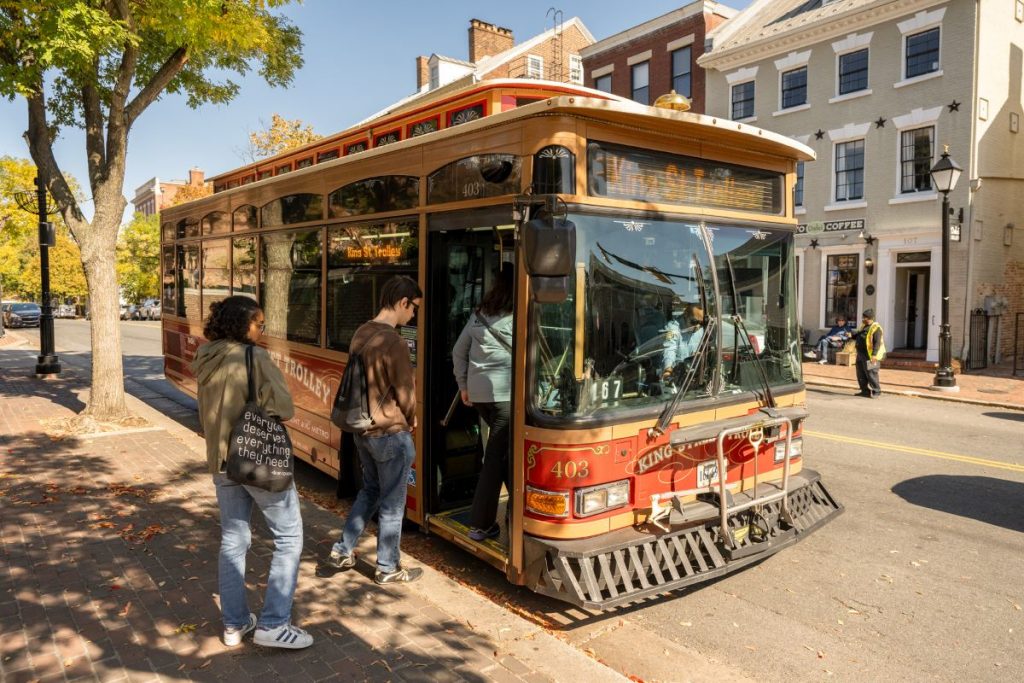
pixel 660 562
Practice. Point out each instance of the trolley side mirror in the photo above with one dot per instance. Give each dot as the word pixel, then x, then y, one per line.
pixel 549 247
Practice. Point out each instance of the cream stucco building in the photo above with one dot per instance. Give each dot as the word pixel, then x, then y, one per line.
pixel 877 88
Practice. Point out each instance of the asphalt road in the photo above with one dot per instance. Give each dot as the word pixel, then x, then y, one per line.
pixel 919 579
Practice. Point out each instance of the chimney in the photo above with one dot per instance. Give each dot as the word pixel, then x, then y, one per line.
pixel 422 72
pixel 195 177
pixel 486 40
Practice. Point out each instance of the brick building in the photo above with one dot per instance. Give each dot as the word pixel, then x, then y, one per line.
pixel 493 53
pixel 650 59
pixel 155 195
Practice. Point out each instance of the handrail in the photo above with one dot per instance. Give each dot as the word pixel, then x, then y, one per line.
pixel 723 473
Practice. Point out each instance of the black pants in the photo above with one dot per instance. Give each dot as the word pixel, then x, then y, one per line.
pixel 495 471
pixel 867 377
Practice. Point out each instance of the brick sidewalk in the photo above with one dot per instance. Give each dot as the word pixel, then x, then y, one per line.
pixel 108 571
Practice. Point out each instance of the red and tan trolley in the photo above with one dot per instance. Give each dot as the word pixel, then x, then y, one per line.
pixel 651 449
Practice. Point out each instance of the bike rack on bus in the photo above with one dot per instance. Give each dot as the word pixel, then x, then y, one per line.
pixel 755 435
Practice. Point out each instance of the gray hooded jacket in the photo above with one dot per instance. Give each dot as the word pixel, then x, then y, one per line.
pixel 219 367
pixel 483 366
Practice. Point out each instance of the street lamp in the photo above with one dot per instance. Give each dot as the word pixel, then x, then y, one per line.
pixel 945 173
pixel 47 362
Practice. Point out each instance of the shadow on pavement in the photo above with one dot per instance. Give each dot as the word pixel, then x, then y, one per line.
pixel 994 501
pixel 1017 417
pixel 109 556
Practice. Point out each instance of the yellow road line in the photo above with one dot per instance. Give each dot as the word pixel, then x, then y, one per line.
pixel 918 451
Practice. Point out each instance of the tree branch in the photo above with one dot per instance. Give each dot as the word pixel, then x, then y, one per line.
pixel 94 147
pixel 170 68
pixel 41 148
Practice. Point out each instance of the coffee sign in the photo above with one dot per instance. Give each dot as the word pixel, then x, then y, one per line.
pixel 819 227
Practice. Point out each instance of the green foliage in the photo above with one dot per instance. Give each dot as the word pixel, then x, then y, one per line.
pixel 138 258
pixel 282 134
pixel 86 43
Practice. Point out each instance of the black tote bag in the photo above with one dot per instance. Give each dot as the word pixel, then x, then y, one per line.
pixel 260 450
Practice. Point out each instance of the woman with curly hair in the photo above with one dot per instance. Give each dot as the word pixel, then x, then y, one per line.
pixel 234 324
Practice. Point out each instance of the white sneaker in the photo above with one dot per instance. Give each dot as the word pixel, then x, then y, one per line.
pixel 822 361
pixel 286 636
pixel 233 636
pixel 810 355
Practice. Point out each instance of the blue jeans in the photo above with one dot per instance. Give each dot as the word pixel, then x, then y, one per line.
pixel 385 461
pixel 281 512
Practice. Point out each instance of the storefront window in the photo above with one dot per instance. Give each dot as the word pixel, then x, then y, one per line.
pixel 841 287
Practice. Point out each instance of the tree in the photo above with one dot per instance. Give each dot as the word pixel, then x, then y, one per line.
pixel 187 193
pixel 19 240
pixel 280 136
pixel 138 258
pixel 99 66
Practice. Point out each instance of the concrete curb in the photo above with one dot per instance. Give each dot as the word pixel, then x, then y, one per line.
pixel 934 395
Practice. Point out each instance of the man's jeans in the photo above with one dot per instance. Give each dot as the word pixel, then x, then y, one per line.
pixel 385 461
pixel 281 512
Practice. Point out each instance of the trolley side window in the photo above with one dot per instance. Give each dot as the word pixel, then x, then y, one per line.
pixel 360 259
pixel 243 270
pixel 216 274
pixel 290 277
pixel 188 303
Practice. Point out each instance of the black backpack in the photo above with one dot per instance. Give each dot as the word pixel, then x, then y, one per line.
pixel 351 411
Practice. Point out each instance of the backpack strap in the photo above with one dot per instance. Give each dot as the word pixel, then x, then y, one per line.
pixel 483 321
pixel 248 373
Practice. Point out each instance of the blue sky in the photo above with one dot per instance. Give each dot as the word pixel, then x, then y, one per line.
pixel 360 57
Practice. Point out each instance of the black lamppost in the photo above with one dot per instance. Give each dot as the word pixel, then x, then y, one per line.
pixel 945 173
pixel 47 362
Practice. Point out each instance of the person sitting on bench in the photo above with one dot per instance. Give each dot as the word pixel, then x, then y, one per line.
pixel 834 338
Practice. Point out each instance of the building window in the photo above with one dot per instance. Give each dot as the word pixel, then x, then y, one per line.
pixel 576 69
pixel 841 286
pixel 922 53
pixel 681 71
pixel 853 71
pixel 917 149
pixel 743 100
pixel 641 82
pixel 603 83
pixel 798 189
pixel 794 88
pixel 534 66
pixel 850 170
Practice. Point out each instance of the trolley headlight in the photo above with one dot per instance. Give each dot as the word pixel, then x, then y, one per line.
pixel 796 449
pixel 547 503
pixel 596 499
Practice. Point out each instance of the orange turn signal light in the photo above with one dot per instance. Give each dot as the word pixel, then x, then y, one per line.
pixel 548 503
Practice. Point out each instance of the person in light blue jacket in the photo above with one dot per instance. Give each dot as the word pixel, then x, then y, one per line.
pixel 682 339
pixel 482 360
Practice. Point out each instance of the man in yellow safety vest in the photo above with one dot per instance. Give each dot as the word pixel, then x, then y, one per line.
pixel 870 351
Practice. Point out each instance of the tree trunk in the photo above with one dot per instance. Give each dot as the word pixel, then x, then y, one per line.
pixel 106 400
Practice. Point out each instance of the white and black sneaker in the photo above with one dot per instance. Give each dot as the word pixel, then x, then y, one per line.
pixel 400 575
pixel 285 636
pixel 233 636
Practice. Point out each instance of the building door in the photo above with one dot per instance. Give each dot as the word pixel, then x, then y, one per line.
pixel 916 332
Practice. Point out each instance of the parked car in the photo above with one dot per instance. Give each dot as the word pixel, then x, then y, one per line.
pixel 150 309
pixel 19 314
pixel 64 311
pixel 127 310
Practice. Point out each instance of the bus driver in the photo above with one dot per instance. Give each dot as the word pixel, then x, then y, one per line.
pixel 682 340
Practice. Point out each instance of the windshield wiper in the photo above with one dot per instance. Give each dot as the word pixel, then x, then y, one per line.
pixel 740 326
pixel 697 368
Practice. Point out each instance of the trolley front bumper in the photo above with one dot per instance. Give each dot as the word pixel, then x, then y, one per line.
pixel 630 564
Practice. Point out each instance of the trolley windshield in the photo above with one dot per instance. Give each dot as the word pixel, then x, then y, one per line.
pixel 646 317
